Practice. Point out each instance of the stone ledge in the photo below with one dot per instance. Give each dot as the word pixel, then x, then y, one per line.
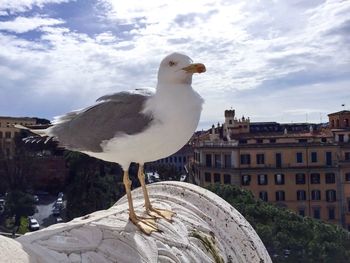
pixel 204 229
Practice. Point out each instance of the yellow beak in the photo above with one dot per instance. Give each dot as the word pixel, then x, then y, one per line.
pixel 195 68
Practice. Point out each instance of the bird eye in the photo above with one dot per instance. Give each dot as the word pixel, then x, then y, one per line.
pixel 172 63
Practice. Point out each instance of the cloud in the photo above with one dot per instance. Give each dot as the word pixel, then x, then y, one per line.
pixel 25 24
pixel 25 5
pixel 270 60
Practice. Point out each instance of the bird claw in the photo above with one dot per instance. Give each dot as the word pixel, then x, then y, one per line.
pixel 145 224
pixel 161 213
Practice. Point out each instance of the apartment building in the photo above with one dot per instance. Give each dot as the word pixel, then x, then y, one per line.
pixel 8 132
pixel 304 167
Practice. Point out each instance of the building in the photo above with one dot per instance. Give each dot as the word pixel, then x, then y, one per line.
pixel 178 160
pixel 50 167
pixel 304 167
pixel 8 132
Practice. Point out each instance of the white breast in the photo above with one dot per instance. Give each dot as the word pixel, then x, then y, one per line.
pixel 176 116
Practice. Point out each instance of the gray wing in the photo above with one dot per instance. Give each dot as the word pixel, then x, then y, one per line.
pixel 119 113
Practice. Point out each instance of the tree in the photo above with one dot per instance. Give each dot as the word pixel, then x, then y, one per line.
pixel 18 204
pixel 15 171
pixel 93 184
pixel 307 239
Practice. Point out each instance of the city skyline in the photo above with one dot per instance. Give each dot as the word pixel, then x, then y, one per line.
pixel 268 60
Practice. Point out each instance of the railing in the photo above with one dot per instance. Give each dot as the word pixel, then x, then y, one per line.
pixel 217 144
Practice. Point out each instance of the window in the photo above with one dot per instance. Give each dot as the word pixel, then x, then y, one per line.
pixel 315 178
pixel 299 178
pixel 243 141
pixel 227 179
pixel 170 159
pixel 314 157
pixel 208 160
pixel 0 134
pixel 341 137
pixel 328 158
pixel 346 122
pixel 299 157
pixel 217 159
pixel 259 141
pixel 245 179
pixel 245 158
pixel 262 179
pixel 184 158
pixel 279 179
pixel 316 195
pixel 280 196
pixel 301 211
pixel 272 140
pixel 175 159
pixel 331 213
pixel 7 135
pixel 301 195
pixel 331 196
pixel 347 156
pixel 278 160
pixel 263 196
pixel 217 178
pixel 302 140
pixel 228 163
pixel 207 177
pixel 317 213
pixel 347 177
pixel 330 178
pixel 260 158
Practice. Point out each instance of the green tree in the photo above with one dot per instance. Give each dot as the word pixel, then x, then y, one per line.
pixel 307 239
pixel 19 204
pixel 16 172
pixel 93 184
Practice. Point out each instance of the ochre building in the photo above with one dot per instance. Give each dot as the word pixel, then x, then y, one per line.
pixel 303 167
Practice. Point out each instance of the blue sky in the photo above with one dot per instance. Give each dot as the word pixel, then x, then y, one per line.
pixel 285 61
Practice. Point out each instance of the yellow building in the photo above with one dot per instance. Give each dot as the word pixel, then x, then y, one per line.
pixel 8 132
pixel 304 167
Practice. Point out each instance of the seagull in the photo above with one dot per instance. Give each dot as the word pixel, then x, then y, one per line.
pixel 137 126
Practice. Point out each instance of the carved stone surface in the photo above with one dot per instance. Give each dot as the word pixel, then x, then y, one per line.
pixel 204 229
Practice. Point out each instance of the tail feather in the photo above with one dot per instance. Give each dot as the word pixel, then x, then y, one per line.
pixel 40 132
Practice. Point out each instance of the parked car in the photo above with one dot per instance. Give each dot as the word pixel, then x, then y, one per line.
pixel 36 198
pixel 33 224
pixel 56 211
pixel 58 220
pixel 59 202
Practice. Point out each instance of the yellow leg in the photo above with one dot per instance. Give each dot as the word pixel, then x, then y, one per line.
pixel 146 225
pixel 155 212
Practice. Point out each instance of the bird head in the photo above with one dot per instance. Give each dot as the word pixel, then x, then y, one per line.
pixel 177 68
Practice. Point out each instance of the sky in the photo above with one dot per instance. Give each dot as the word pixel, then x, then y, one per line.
pixel 270 60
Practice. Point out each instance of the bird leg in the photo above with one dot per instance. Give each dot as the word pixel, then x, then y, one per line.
pixel 146 225
pixel 155 212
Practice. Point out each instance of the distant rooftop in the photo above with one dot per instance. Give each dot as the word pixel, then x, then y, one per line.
pixel 343 112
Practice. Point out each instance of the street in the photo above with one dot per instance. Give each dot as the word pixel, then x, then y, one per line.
pixel 44 210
